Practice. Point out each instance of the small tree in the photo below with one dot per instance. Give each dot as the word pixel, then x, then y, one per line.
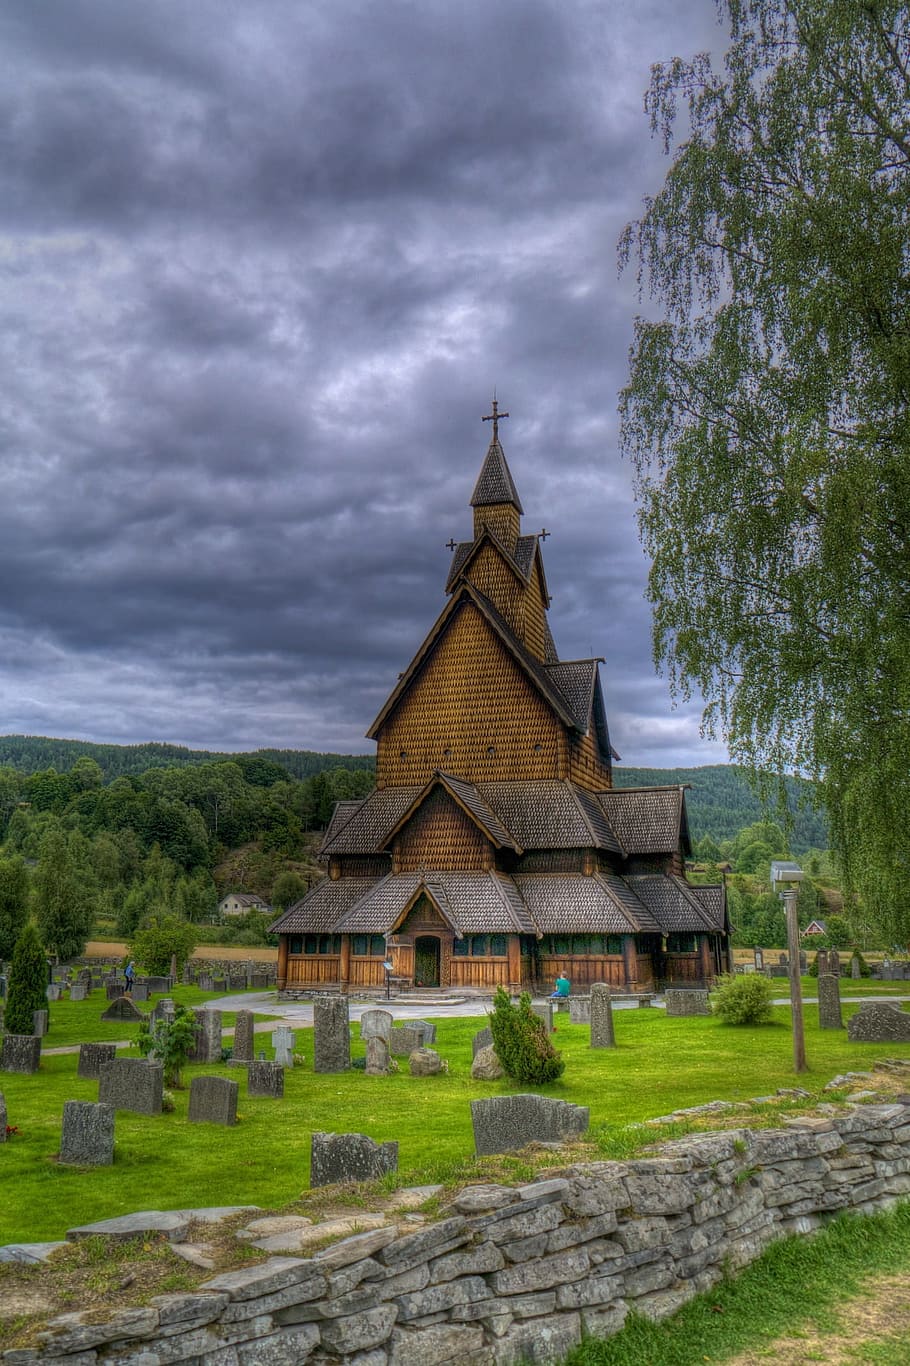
pixel 744 1000
pixel 521 1042
pixel 168 1041
pixel 27 990
pixel 13 903
pixel 160 937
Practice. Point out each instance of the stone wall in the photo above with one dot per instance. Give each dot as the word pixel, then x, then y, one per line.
pixel 514 1274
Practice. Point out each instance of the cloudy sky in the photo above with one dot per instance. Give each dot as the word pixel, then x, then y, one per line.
pixel 262 266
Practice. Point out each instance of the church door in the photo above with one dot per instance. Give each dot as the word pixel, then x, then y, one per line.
pixel 426 961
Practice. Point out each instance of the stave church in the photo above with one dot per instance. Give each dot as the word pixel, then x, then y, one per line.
pixel 495 849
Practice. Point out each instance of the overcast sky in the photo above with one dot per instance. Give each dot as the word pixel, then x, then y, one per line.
pixel 262 266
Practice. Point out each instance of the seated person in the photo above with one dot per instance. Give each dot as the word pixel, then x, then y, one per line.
pixel 562 986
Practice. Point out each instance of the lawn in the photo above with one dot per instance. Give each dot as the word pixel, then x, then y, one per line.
pixel 163 1162
pixel 73 1022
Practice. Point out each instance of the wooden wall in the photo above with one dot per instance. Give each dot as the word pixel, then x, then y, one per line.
pixel 440 835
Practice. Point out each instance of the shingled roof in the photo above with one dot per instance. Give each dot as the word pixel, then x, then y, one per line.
pixel 472 903
pixel 550 813
pixel 647 820
pixel 521 562
pixel 495 483
pixel 367 826
pixel 574 903
pixel 467 796
pixel 672 903
pixel 320 911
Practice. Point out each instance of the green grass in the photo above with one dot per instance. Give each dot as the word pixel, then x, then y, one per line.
pixel 164 1162
pixel 73 1022
pixel 790 1289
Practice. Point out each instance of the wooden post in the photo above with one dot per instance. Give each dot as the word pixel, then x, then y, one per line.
pixel 630 961
pixel 796 986
pixel 705 959
pixel 344 969
pixel 282 961
pixel 514 965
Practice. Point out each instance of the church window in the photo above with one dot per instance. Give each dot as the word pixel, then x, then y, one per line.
pixel 681 943
pixel 310 943
pixel 377 946
pixel 460 948
pixel 499 945
pixel 360 945
pixel 479 945
pixel 296 944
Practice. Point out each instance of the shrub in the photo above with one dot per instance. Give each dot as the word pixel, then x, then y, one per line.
pixel 864 968
pixel 744 1000
pixel 521 1042
pixel 160 937
pixel 168 1042
pixel 27 991
pixel 813 967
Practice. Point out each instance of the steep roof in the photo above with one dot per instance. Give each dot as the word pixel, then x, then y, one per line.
pixel 472 903
pixel 550 813
pixel 323 906
pixel 469 798
pixel 574 903
pixel 673 903
pixel 647 820
pixel 367 827
pixel 495 483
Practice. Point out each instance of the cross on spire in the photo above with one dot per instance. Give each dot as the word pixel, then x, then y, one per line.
pixel 494 418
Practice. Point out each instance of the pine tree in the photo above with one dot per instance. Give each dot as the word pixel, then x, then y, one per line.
pixel 27 990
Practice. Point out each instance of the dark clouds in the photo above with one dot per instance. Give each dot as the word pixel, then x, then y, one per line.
pixel 260 268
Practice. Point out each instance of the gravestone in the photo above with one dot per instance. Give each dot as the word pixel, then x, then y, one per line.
pixel 377 1056
pixel 803 962
pixel 163 1010
pixel 220 984
pixel 132 1084
pixel 265 1079
pixel 482 1039
pixel 87 1137
pixel 52 991
pixel 821 962
pixel 424 1062
pixel 503 1123
pixel 429 1030
pixel 759 957
pixel 243 1037
pixel 39 1023
pixel 114 989
pixel 207 1042
pixel 486 1065
pixel 834 962
pixel 77 991
pixel 122 1008
pixel 580 1009
pixel 829 1011
pixel 784 961
pixel 206 982
pixel 687 1001
pixel 404 1040
pixel 349 1157
pixel 331 1035
pixel 213 1100
pixel 283 1044
pixel 92 1057
pixel 375 1024
pixel 602 1032
pixel 259 980
pixel 140 991
pixel 3 1119
pixel 20 1053
pixel 879 1022
pixel 544 1011
pixel 855 969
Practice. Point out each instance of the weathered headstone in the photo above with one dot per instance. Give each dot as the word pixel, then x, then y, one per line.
pixel 87 1136
pixel 114 989
pixel 424 1062
pixel 52 991
pixel 486 1065
pixel 243 1037
pixel 429 1030
pixel 377 1056
pixel 482 1039
pixel 856 971
pixel 879 1022
pixel 602 1032
pixel 92 1057
pixel 829 1009
pixel 803 962
pixel 20 1053
pixel 331 1034
pixel 821 962
pixel 265 1079
pixel 140 991
pixel 403 1040
pixel 132 1084
pixel 213 1100
pixel 122 1008
pixel 687 1001
pixel 163 1010
pixel 207 1041
pixel 580 1009
pixel 39 1023
pixel 349 1157
pixel 283 1044
pixel 78 991
pixel 834 962
pixel 206 982
pixel 503 1123
pixel 544 1011
pixel 759 956
pixel 783 961
pixel 375 1024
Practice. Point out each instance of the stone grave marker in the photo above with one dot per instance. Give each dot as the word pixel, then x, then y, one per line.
pixel 213 1100
pixel 331 1034
pixel 544 1011
pixel 163 1010
pixel 424 1062
pixel 243 1037
pixel 829 1009
pixel 132 1084
pixel 855 969
pixel 259 980
pixel 114 989
pixel 220 984
pixel 20 1053
pixel 482 1039
pixel 283 1044
pixel 52 991
pixel 602 1032
pixel 803 962
pixel 206 982
pixel 404 1039
pixel 349 1157
pixel 376 1024
pixel 687 1001
pixel 834 962
pixel 821 960
pixel 92 1057
pixel 87 1137
pixel 503 1123
pixel 265 1079
pixel 140 991
pixel 207 1042
pixel 122 1008
pixel 580 1009
pixel 377 1056
pixel 39 1023
pixel 879 1022
pixel 759 956
pixel 429 1030
pixel 77 991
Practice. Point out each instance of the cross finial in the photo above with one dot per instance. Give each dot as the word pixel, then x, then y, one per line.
pixel 543 534
pixel 494 418
pixel 450 545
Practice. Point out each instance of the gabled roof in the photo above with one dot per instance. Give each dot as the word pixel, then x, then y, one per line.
pixel 367 826
pixel 495 483
pixel 323 906
pixel 573 903
pixel 340 816
pixel 472 903
pixel 461 560
pixel 468 797
pixel 550 813
pixel 673 903
pixel 647 820
pixel 537 673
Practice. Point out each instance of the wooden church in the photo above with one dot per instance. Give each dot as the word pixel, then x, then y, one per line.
pixel 495 848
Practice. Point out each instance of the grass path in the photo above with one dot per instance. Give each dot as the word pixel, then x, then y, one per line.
pixel 873 1326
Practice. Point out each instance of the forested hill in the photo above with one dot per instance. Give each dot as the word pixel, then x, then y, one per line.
pixel 33 753
pixel 721 802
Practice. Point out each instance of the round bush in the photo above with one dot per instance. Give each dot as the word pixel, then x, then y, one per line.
pixel 744 1000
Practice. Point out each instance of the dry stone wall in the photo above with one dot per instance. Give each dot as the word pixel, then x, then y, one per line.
pixel 519 1274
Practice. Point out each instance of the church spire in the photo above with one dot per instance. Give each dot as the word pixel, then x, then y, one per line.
pixel 495 498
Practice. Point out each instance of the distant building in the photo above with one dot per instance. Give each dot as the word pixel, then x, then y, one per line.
pixel 239 903
pixel 815 927
pixel 495 849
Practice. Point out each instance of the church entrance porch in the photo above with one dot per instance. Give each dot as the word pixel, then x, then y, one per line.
pixel 426 961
